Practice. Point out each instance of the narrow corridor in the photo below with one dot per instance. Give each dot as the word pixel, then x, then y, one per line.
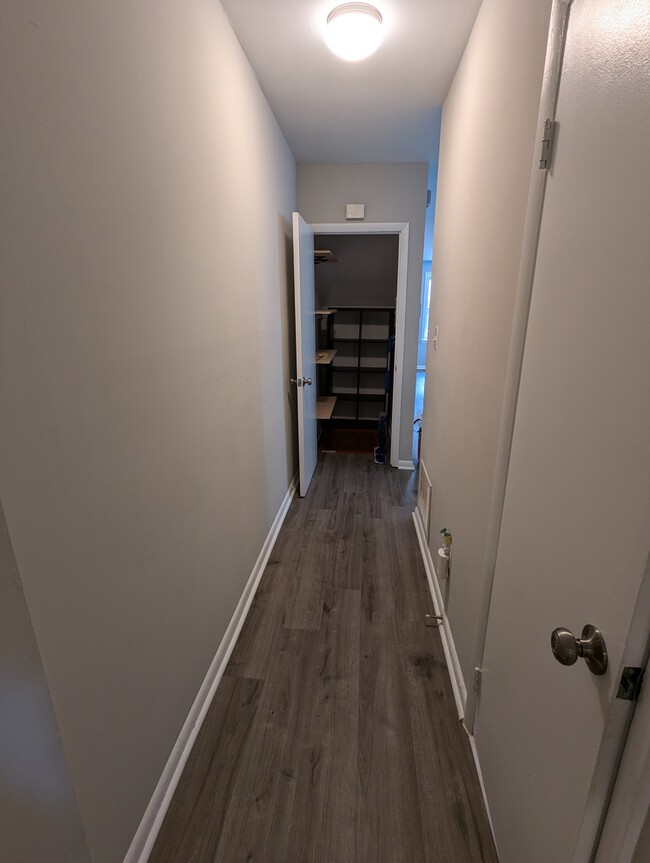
pixel 333 736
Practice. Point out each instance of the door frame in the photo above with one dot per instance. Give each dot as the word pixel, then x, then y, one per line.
pixel 401 229
pixel 305 336
pixel 627 791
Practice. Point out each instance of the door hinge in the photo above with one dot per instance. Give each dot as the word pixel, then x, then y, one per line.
pixel 629 687
pixel 548 144
pixel 476 683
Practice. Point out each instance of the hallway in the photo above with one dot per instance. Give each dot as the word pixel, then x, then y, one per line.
pixel 333 736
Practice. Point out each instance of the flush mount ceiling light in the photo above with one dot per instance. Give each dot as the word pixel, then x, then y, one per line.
pixel 354 30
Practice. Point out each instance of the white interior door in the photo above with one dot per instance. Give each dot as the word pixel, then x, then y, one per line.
pixel 303 263
pixel 575 534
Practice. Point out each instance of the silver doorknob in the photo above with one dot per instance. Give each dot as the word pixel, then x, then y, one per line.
pixel 591 647
pixel 306 382
pixel 301 382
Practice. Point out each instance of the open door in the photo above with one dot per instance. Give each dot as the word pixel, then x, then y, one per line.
pixel 305 380
pixel 574 537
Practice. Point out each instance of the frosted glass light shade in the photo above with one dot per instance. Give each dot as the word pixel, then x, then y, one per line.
pixel 354 30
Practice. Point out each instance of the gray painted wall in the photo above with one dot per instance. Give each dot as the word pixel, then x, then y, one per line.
pixel 478 233
pixel 39 815
pixel 365 272
pixel 391 193
pixel 147 323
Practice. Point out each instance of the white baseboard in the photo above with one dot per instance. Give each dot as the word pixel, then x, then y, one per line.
pixel 472 743
pixel 149 826
pixel 405 464
pixel 451 656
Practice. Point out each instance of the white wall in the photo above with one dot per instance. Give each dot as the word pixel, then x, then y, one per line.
pixel 146 414
pixel 40 818
pixel 486 151
pixel 391 193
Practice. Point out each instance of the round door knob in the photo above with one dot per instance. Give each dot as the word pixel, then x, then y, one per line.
pixel 591 647
pixel 564 645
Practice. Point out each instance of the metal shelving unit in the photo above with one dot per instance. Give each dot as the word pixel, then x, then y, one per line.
pixel 359 374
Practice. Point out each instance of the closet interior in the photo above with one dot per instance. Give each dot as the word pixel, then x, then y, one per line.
pixel 356 286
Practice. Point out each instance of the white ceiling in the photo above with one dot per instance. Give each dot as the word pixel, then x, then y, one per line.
pixel 382 109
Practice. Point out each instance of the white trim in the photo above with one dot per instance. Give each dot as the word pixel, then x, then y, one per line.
pixel 405 464
pixel 400 338
pixel 451 655
pixel 477 763
pixel 621 784
pixel 630 806
pixel 402 229
pixel 152 820
pixel 304 314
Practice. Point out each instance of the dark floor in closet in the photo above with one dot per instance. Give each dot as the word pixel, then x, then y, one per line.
pixel 333 737
pixel 349 440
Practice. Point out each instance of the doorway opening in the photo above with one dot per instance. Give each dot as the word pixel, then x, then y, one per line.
pixel 360 286
pixel 356 287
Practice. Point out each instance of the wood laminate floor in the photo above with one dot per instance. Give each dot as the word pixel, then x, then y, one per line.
pixel 333 736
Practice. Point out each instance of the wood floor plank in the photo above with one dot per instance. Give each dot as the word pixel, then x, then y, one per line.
pixel 404 561
pixel 400 488
pixel 388 827
pixel 248 829
pixel 261 636
pixel 317 546
pixel 304 608
pixel 454 822
pixel 192 826
pixel 327 481
pixel 298 524
pixel 334 736
pixel 392 589
pixel 352 549
pixel 323 817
